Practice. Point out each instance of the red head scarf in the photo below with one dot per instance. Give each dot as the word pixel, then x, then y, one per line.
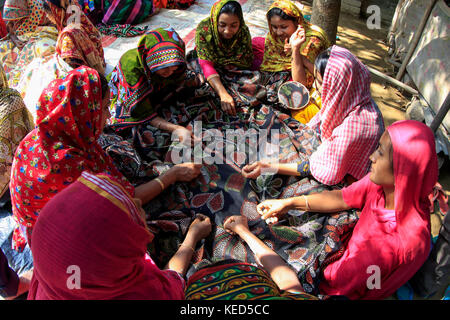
pixel 63 144
pixel 90 242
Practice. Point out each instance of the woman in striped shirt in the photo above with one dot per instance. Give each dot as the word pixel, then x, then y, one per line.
pixel 349 124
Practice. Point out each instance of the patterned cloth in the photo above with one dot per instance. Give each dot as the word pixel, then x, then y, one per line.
pixel 63 144
pixel 79 43
pixel 306 241
pixel 30 13
pixel 122 30
pixel 126 11
pixel 350 122
pixel 209 45
pixel 15 123
pixel 173 4
pixel 275 59
pixel 236 281
pixel 39 45
pixel 95 225
pixel 133 81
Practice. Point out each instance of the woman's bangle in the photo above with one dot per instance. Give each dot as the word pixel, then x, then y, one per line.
pixel 184 245
pixel 160 183
pixel 306 202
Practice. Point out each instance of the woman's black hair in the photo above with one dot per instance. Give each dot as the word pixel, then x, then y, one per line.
pixel 232 7
pixel 104 85
pixel 322 60
pixel 46 6
pixel 278 12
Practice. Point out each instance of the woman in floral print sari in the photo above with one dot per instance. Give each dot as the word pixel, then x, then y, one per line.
pixel 72 112
pixel 29 37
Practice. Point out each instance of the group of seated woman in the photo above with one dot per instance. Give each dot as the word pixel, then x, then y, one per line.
pixel 74 207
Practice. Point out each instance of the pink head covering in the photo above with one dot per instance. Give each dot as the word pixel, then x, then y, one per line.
pixel 395 241
pixel 416 173
pixel 94 228
pixel 350 122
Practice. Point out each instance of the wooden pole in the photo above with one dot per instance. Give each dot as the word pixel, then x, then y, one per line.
pixel 393 81
pixel 415 40
pixel 441 114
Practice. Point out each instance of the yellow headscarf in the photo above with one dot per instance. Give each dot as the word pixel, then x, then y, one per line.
pixel 15 123
pixel 275 59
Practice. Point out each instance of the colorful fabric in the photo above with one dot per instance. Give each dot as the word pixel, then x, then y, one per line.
pixel 3 31
pixel 350 122
pixel 122 30
pixel 9 280
pixel 236 51
pixel 95 225
pixel 275 59
pixel 396 241
pixel 29 14
pixel 126 11
pixel 133 81
pixel 236 281
pixel 306 241
pixel 39 45
pixel 15 123
pixel 63 144
pixel 77 42
pixel 173 4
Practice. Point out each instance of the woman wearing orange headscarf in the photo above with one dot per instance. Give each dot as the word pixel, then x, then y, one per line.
pixel 79 41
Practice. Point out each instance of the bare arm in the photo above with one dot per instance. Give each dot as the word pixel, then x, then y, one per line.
pixel 252 171
pixel 180 172
pixel 227 101
pixel 199 229
pixel 298 68
pixel 284 277
pixel 327 201
pixel 308 65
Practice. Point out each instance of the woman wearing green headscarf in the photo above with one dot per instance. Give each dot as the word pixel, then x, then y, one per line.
pixel 145 75
pixel 223 40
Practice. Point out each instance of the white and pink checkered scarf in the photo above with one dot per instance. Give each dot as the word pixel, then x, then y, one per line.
pixel 350 122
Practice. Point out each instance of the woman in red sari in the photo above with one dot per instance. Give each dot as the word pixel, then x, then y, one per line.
pixel 95 227
pixel 71 115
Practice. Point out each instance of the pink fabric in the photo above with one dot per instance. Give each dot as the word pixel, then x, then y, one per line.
pixel 258 44
pixel 82 227
pixel 258 53
pixel 396 241
pixel 350 122
pixel 207 68
pixel 134 12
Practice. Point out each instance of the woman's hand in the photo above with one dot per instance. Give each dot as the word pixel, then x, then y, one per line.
pixel 228 104
pixel 254 170
pixel 186 172
pixel 273 209
pixel 297 38
pixel 287 47
pixel 235 224
pixel 200 228
pixel 185 136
